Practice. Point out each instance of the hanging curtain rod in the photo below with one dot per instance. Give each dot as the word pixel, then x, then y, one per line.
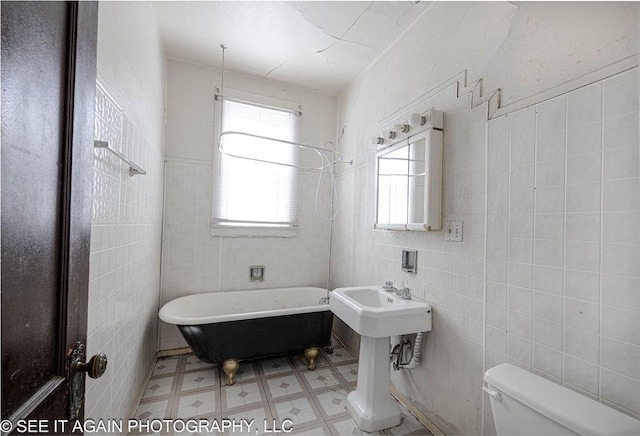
pixel 219 96
pixel 322 152
pixel 336 156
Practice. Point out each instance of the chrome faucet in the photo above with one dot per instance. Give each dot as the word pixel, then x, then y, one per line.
pixel 404 293
pixel 388 286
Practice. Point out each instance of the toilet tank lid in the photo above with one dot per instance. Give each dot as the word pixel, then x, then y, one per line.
pixel 572 410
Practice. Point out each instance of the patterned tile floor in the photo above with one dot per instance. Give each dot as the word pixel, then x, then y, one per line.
pixel 267 391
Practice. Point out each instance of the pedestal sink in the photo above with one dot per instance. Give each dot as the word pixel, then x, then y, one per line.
pixel 377 315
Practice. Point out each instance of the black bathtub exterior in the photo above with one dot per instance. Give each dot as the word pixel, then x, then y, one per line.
pixel 251 339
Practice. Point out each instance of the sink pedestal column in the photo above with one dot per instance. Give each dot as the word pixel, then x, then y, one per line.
pixel 371 405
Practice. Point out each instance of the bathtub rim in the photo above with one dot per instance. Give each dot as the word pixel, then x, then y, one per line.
pixel 171 318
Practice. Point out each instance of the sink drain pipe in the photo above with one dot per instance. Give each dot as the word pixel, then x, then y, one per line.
pixel 416 353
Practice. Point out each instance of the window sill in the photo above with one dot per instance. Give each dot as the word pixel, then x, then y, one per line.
pixel 218 231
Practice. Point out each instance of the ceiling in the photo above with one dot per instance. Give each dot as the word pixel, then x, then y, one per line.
pixel 317 45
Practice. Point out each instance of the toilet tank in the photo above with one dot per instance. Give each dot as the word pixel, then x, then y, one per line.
pixel 526 404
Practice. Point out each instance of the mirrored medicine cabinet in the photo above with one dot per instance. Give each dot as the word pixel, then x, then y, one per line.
pixel 409 176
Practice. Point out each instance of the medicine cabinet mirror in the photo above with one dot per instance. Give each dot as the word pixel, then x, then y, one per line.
pixel 409 183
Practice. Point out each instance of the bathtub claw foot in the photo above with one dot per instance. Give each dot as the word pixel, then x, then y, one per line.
pixel 328 349
pixel 310 355
pixel 230 367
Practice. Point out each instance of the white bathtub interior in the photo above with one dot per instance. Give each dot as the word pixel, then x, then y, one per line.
pixel 237 305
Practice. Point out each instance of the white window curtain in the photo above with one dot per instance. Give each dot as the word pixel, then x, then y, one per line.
pixel 253 198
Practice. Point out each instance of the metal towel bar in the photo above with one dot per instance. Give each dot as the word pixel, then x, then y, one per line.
pixel 133 168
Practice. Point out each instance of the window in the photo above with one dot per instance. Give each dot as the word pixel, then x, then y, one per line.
pixel 252 196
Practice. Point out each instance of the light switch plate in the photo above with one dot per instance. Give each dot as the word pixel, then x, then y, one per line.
pixel 453 231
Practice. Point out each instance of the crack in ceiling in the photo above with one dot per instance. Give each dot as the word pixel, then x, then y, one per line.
pixel 390 17
pixel 302 12
pixel 317 45
pixel 337 39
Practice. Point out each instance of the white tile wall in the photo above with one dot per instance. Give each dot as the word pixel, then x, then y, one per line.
pixel 125 262
pixel 526 224
pixel 195 262
pixel 450 275
pixel 571 311
pixel 192 260
pixel 556 288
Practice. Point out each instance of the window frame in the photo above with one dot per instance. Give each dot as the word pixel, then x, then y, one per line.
pixel 229 230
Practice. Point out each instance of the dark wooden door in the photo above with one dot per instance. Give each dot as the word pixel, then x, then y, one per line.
pixel 48 93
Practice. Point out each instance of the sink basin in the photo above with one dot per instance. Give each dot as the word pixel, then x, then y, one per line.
pixel 375 313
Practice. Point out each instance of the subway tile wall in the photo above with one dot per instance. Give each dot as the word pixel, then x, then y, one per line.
pixel 125 261
pixel 563 241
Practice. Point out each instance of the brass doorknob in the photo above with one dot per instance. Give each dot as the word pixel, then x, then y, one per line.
pixel 94 367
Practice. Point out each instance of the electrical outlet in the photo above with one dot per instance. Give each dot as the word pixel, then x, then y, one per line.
pixel 453 231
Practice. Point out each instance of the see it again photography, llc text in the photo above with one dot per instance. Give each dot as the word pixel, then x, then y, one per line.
pixel 35 426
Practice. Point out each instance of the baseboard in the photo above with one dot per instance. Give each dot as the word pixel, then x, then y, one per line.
pixel 416 412
pixel 353 353
pixel 145 382
pixel 159 355
pixel 172 353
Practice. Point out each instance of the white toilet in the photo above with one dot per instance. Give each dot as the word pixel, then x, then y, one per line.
pixel 526 404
